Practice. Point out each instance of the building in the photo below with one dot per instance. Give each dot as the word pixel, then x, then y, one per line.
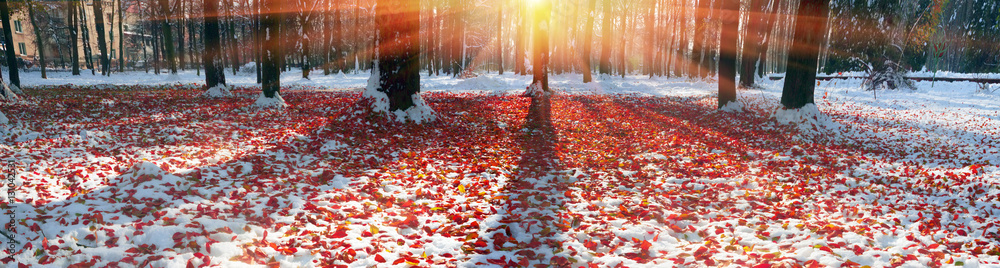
pixel 53 20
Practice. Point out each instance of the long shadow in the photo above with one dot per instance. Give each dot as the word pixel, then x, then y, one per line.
pixel 531 225
pixel 216 205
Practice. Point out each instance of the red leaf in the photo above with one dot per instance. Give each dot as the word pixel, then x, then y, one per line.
pixel 379 258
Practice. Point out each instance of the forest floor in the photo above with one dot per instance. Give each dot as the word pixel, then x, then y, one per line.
pixel 635 172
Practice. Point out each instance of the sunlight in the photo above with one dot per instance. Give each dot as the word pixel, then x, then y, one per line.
pixel 533 4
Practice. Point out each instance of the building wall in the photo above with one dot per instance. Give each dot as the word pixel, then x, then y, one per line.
pixel 26 37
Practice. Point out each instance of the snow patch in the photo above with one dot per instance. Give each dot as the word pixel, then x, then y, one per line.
pixel 807 119
pixel 420 112
pixel 220 91
pixel 480 82
pixel 150 180
pixel 3 119
pixel 733 107
pixel 535 90
pixel 332 145
pixel 9 93
pixel 268 103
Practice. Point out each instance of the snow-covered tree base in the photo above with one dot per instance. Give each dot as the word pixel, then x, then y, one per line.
pixel 807 119
pixel 264 103
pixel 732 107
pixel 9 94
pixel 535 90
pixel 419 113
pixel 16 90
pixel 220 91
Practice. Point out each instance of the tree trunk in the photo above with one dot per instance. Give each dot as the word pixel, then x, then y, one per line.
pixel 102 43
pixel 12 68
pixel 767 28
pixel 458 33
pixel 306 41
pixel 606 39
pixel 328 35
pixel 398 69
pixel 74 24
pixel 680 29
pixel 157 51
pixel 519 42
pixel 168 36
pixel 234 54
pixel 751 42
pixel 272 52
pixel 540 48
pixel 588 42
pixel 121 38
pixel 698 50
pixel 181 20
pixel 214 73
pixel 800 79
pixel 38 39
pixel 729 14
pixel 500 37
pixel 87 49
pixel 650 22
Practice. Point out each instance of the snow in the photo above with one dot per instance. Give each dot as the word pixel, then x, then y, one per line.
pixel 9 94
pixel 808 119
pixel 263 102
pixel 733 107
pixel 419 113
pixel 220 91
pixel 177 170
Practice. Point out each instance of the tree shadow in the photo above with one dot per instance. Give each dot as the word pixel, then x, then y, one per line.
pixel 530 228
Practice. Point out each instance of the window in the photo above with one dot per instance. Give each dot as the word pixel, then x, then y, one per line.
pixel 112 53
pixel 24 50
pixel 17 26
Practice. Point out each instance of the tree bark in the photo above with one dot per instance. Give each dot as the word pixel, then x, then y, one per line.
pixel 729 13
pixel 519 42
pixel 500 37
pixel 74 24
pixel 87 49
pixel 12 68
pixel 680 28
pixel 121 38
pixel 588 42
pixel 800 79
pixel 306 41
pixel 234 53
pixel 168 36
pixel 39 41
pixel 398 51
pixel 181 20
pixel 214 73
pixel 698 50
pixel 271 85
pixel 606 39
pixel 102 43
pixel 540 48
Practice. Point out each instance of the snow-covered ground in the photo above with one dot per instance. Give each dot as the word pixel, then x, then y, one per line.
pixel 634 171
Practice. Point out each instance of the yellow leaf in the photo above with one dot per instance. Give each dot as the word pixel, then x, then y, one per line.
pixel 461 188
pixel 373 228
